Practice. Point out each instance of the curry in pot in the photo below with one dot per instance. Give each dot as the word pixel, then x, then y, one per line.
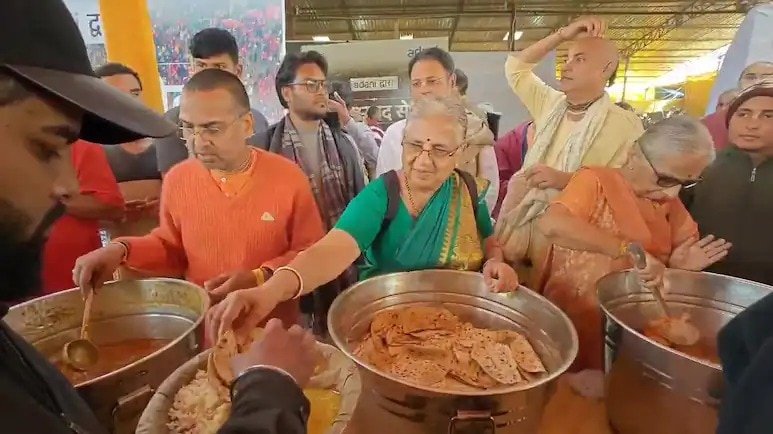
pixel 112 357
pixel 704 349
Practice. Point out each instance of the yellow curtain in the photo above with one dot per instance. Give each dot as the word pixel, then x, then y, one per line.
pixel 697 91
pixel 129 40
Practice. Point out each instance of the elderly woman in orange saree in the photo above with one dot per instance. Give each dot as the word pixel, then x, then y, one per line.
pixel 602 210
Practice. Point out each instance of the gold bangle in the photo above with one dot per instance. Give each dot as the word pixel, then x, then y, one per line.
pixel 260 277
pixel 298 275
pixel 623 249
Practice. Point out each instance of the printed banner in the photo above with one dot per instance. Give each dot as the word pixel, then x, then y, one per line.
pixel 86 14
pixel 370 84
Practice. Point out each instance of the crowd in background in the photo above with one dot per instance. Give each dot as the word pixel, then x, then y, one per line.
pixel 256 24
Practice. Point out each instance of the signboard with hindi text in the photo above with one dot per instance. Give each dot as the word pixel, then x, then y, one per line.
pixel 369 84
pixel 87 17
pixel 376 71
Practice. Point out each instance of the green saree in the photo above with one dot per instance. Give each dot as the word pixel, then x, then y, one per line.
pixel 447 234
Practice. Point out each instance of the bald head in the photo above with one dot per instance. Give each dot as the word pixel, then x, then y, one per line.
pixel 755 73
pixel 591 65
pixel 725 98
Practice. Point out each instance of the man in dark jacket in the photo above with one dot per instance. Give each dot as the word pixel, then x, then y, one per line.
pixel 733 200
pixel 49 98
pixel 209 48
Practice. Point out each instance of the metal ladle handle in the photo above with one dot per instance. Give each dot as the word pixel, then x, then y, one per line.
pixel 640 262
pixel 87 315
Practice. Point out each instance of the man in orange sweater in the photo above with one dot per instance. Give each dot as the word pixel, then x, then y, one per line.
pixel 233 210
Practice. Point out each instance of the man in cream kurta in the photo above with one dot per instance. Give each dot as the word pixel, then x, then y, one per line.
pixel 577 126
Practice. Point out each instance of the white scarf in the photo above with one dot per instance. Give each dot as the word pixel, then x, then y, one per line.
pixel 535 201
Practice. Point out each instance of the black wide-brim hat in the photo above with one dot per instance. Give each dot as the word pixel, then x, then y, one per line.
pixel 42 45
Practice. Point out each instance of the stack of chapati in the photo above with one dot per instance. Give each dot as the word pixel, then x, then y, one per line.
pixel 430 346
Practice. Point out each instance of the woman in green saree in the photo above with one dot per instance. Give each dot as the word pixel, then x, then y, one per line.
pixel 441 221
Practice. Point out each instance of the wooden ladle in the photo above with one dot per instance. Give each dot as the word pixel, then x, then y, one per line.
pixel 677 330
pixel 82 354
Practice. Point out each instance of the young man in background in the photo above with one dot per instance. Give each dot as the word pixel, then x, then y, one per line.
pixel 211 48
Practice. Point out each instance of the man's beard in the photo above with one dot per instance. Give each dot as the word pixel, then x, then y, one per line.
pixel 21 259
pixel 311 115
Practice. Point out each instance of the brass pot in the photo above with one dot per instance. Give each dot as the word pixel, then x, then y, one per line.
pixel 160 308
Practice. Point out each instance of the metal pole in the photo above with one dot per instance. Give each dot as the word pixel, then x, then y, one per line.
pixel 625 76
pixel 511 36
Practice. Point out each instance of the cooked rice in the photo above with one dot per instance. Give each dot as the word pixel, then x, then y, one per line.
pixel 199 407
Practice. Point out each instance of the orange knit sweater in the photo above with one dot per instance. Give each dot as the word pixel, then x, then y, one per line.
pixel 202 233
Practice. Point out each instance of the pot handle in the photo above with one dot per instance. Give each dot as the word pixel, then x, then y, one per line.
pixel 130 406
pixel 483 419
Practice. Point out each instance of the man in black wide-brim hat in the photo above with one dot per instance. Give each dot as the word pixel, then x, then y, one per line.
pixel 49 98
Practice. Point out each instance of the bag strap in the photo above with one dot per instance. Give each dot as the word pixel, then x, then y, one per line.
pixel 392 183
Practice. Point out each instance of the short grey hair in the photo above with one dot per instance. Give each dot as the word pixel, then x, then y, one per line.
pixel 447 106
pixel 675 136
pixel 13 89
pixel 730 92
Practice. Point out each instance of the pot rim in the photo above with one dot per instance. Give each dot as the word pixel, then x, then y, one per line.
pixel 172 343
pixel 563 367
pixel 616 319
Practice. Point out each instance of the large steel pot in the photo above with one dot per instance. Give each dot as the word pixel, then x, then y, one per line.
pixel 153 308
pixel 388 404
pixel 655 389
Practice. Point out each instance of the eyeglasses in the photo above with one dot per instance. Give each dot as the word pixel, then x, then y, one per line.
pixel 312 86
pixel 210 133
pixel 755 77
pixel 429 82
pixel 435 153
pixel 667 181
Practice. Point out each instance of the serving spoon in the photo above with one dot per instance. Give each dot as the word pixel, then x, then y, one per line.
pixel 81 353
pixel 677 330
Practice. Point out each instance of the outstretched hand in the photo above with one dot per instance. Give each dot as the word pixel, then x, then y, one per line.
pixel 697 254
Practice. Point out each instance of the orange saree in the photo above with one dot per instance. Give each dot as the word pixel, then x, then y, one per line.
pixel 602 197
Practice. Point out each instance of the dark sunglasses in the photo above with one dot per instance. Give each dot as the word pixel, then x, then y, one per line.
pixel 667 181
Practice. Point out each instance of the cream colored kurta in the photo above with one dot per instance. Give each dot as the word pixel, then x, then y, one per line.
pixel 619 130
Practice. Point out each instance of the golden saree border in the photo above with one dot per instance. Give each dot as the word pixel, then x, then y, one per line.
pixel 467 250
pixel 453 212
